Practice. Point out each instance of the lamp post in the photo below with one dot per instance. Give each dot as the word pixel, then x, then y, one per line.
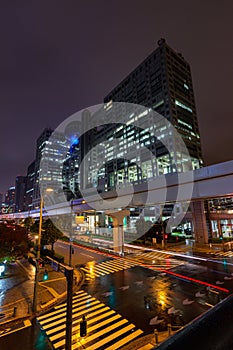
pixel 70 252
pixel 162 228
pixel 34 305
pixel 35 294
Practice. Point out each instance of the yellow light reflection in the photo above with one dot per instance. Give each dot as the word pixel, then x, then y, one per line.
pixel 162 298
pixel 91 267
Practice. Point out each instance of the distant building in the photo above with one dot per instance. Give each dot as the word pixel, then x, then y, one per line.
pixel 41 144
pixel 10 199
pixel 20 191
pixel 1 199
pixel 51 149
pixel 30 186
pixel 70 171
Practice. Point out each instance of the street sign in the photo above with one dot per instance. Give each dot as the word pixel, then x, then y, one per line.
pixel 2 269
pixel 54 265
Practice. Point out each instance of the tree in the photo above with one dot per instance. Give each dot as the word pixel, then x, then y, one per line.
pixel 28 222
pixel 14 241
pixel 35 227
pixel 50 233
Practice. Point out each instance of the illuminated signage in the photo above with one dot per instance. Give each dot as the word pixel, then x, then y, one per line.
pixel 2 269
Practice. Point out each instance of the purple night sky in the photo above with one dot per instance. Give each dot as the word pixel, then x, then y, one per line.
pixel 58 57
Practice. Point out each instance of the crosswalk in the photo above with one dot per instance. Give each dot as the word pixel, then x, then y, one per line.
pixel 106 329
pixel 228 254
pixel 154 260
pixel 157 260
pixel 93 270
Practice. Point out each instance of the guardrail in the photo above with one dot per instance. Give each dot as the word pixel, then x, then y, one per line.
pixel 212 330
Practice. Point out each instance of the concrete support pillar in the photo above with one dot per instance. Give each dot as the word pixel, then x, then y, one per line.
pixel 101 220
pixel 199 222
pixel 118 232
pixel 219 228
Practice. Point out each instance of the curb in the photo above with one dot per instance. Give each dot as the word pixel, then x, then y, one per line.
pixel 80 278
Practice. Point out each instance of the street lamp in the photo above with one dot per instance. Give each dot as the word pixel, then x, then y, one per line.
pixel 34 305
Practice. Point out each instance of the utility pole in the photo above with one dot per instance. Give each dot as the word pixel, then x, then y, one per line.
pixel 70 253
pixel 69 273
pixel 34 304
pixel 35 294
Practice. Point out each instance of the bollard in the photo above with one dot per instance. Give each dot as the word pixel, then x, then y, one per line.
pixel 156 333
pixel 83 327
pixel 14 311
pixel 169 328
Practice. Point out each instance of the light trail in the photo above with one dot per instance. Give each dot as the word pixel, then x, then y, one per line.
pixel 196 281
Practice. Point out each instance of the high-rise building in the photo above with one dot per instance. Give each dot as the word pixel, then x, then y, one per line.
pixel 70 171
pixel 30 186
pixel 20 190
pixel 51 154
pixel 40 149
pixel 163 82
pixel 1 201
pixel 10 199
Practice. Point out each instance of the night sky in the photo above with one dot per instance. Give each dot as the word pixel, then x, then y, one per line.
pixel 58 57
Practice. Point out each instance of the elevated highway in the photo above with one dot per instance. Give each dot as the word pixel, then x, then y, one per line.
pixel 212 181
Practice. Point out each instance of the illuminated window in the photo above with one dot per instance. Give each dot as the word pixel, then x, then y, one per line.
pixel 180 104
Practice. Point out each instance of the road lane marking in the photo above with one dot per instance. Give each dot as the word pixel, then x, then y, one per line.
pixel 59 319
pixel 27 323
pixel 125 340
pixel 101 317
pixel 104 325
pixel 111 337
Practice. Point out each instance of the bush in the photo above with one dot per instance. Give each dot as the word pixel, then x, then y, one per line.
pixel 220 240
pixel 52 255
pixel 47 252
pixel 59 258
pixel 65 239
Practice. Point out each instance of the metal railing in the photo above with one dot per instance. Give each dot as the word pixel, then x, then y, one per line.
pixel 212 330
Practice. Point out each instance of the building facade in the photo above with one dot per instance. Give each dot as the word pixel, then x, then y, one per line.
pixel 20 191
pixel 10 200
pixel 41 148
pixel 163 82
pixel 29 191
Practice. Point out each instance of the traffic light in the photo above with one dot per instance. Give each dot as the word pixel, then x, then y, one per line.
pixel 165 236
pixel 41 263
pixel 83 327
pixel 45 276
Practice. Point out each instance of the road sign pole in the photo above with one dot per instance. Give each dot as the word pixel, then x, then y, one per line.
pixel 70 253
pixel 69 272
pixel 34 303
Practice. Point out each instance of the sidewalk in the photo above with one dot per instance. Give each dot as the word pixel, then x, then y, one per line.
pixel 16 302
pixel 148 341
pixel 189 249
